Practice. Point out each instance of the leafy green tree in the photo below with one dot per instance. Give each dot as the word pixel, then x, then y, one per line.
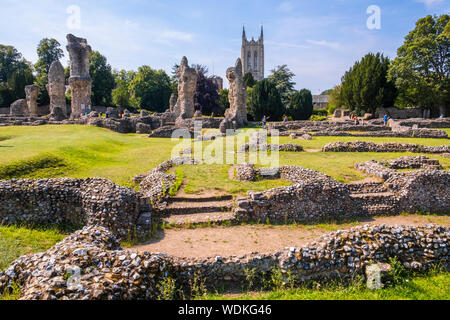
pixel 421 70
pixel 282 77
pixel 249 80
pixel 223 101
pixel 300 105
pixel 102 79
pixel 366 87
pixel 121 96
pixel 150 89
pixel 265 100
pixel 15 74
pixel 48 51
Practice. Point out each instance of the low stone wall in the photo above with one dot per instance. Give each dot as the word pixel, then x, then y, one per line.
pixel 376 169
pixel 421 191
pixel 367 146
pixel 426 123
pixel 314 197
pixel 101 270
pixel 288 147
pixel 74 202
pixel 407 133
pixel 410 162
pixel 155 185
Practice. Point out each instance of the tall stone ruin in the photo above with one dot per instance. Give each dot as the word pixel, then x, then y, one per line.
pixel 19 108
pixel 237 113
pixel 31 93
pixel 187 84
pixel 80 80
pixel 57 89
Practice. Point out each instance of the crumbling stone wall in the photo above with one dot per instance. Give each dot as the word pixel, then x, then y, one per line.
pixel 74 202
pixel 106 272
pixel 31 93
pixel 187 83
pixel 80 80
pixel 367 146
pixel 57 89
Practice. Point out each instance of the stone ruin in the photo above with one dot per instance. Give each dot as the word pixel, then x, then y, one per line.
pixel 19 108
pixel 31 93
pixel 187 83
pixel 57 91
pixel 236 115
pixel 80 80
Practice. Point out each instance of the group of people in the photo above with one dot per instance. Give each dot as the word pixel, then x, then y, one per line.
pixel 107 115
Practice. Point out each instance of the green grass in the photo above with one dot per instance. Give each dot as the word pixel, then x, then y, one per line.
pixel 431 287
pixel 17 241
pixel 79 152
pixel 83 151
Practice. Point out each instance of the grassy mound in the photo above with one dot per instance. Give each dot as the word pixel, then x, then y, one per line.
pixel 41 166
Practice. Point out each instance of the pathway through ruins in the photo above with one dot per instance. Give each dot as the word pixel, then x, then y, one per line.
pixel 241 240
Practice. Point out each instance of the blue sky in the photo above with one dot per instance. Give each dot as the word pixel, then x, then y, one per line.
pixel 319 40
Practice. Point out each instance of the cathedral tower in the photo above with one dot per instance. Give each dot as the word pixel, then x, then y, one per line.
pixel 252 56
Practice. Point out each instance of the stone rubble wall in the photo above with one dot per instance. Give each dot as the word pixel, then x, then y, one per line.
pixel 110 273
pixel 409 162
pixel 288 147
pixel 376 169
pixel 367 146
pixel 408 133
pixel 156 184
pixel 73 202
pixel 314 197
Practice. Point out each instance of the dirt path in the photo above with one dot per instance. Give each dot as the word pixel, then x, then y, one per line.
pixel 239 240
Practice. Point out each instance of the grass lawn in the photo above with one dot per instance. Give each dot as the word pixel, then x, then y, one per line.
pixel 83 151
pixel 79 152
pixel 431 287
pixel 16 242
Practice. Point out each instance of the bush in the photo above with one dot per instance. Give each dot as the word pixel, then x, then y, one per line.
pixel 318 118
pixel 321 112
pixel 265 100
pixel 300 105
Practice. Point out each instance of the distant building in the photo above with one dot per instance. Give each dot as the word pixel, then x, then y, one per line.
pixel 252 56
pixel 320 101
pixel 218 81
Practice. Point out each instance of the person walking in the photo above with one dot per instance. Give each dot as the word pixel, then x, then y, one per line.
pixel 385 120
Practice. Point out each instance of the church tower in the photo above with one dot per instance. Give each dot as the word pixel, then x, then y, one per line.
pixel 252 56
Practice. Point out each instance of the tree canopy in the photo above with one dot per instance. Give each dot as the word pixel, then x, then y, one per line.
pixel 15 74
pixel 150 89
pixel 282 77
pixel 264 100
pixel 121 95
pixel 300 105
pixel 249 80
pixel 366 87
pixel 48 51
pixel 421 70
pixel 102 79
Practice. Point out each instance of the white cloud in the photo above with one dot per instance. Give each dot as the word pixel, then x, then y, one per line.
pixel 286 6
pixel 430 3
pixel 176 35
pixel 323 43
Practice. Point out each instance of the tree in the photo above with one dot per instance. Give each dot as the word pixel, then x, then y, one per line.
pixel 48 51
pixel 15 74
pixel 102 79
pixel 121 96
pixel 223 102
pixel 421 70
pixel 249 80
pixel 265 100
pixel 282 77
pixel 366 87
pixel 206 92
pixel 327 92
pixel 150 89
pixel 300 105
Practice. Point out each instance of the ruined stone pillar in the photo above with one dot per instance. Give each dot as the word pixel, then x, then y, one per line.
pixel 31 93
pixel 80 80
pixel 187 84
pixel 237 95
pixel 57 88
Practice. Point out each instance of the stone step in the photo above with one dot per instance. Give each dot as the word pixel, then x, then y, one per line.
pixel 361 188
pixel 201 199
pixel 199 218
pixel 185 208
pixel 381 210
pixel 375 199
